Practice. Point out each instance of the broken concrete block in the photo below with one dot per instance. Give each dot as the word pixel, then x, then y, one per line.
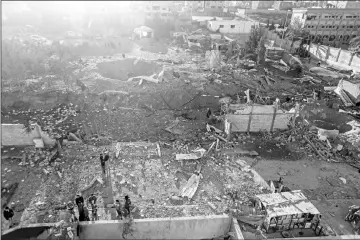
pixel 253 153
pixel 352 90
pixel 324 134
pixel 213 207
pixel 39 143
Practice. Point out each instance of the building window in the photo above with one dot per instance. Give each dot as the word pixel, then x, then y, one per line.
pixel 149 14
pixel 322 26
pixel 155 8
pixel 221 26
pixel 164 9
pixel 212 6
pixel 348 17
pixel 232 26
pixel 164 14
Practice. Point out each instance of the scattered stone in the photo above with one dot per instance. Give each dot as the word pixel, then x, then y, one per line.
pixel 343 180
pixel 213 207
pixel 254 153
pixel 282 173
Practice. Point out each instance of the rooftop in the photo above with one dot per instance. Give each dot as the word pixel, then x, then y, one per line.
pixel 286 203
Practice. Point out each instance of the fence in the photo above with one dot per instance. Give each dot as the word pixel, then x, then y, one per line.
pixel 333 56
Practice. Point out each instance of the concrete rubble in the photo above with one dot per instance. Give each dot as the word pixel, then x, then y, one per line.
pixel 170 146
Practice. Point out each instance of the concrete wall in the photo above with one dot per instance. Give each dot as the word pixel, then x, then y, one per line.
pixel 240 26
pixel 202 227
pixel 333 56
pixel 28 232
pixel 15 135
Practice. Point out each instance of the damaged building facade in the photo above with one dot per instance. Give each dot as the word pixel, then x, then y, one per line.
pixel 327 24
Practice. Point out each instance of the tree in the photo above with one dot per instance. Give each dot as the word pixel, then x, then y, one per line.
pixel 254 39
pixel 260 50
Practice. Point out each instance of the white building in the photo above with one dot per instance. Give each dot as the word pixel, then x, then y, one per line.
pixel 232 26
pixel 162 9
pixel 331 25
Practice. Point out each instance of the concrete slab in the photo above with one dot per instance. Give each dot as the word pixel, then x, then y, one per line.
pixel 204 227
pixel 15 135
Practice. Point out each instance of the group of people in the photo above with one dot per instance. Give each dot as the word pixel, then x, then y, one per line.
pixel 84 212
pixel 123 211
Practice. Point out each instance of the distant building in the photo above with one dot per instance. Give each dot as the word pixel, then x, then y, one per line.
pixel 232 26
pixel 262 4
pixel 329 25
pixel 288 5
pixel 345 4
pixel 208 4
pixel 162 9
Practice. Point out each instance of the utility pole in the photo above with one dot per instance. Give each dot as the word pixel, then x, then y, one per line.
pixel 282 39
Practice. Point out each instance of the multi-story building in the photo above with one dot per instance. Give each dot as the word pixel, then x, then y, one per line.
pixel 162 9
pixel 288 5
pixel 207 4
pixel 262 4
pixel 329 25
pixel 345 4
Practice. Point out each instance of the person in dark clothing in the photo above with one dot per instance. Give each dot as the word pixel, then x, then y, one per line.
pixel 127 206
pixel 118 209
pixel 318 64
pixel 79 199
pixel 8 215
pixel 92 199
pixel 81 209
pixel 103 160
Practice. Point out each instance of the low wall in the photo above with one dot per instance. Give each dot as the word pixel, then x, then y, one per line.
pixel 15 135
pixel 202 227
pixel 333 56
pixel 24 233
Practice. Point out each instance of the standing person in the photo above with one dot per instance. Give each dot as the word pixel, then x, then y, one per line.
pixel 93 212
pixel 86 213
pixel 79 199
pixel 118 209
pixel 92 199
pixel 81 212
pixel 102 161
pixel 8 215
pixel 70 208
pixel 127 206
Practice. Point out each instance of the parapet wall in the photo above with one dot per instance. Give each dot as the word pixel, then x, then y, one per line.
pixel 15 135
pixel 201 227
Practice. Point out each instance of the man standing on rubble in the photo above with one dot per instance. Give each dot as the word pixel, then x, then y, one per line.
pixel 94 212
pixel 8 215
pixel 79 199
pixel 92 199
pixel 127 206
pixel 103 160
pixel 118 209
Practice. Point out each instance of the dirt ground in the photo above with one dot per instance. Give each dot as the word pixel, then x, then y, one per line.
pixel 141 113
